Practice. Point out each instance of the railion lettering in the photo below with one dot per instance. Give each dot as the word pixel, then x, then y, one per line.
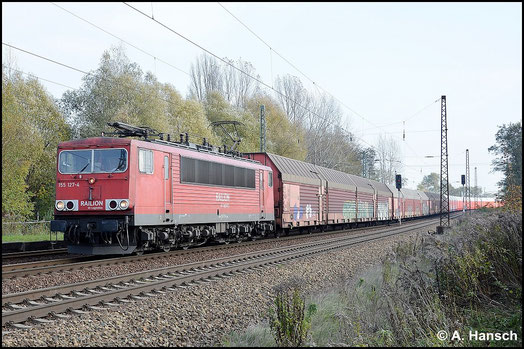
pixel 91 203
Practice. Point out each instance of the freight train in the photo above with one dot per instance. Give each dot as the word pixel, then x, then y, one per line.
pixel 135 191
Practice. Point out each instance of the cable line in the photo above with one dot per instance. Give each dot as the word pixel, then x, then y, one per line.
pixel 315 84
pixel 86 73
pixel 126 42
pixel 222 60
pixel 36 76
pixel 291 64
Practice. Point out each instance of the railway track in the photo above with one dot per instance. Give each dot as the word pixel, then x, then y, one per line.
pixel 26 254
pixel 10 271
pixel 38 306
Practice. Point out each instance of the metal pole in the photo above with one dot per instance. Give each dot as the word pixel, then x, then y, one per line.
pixel 262 129
pixel 444 182
pixel 475 198
pixel 399 210
pixel 463 200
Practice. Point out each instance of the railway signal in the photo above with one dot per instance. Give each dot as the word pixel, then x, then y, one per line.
pixel 398 181
pixel 398 185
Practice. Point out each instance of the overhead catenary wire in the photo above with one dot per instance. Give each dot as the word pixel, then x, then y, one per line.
pixel 292 65
pixel 233 66
pixel 247 74
pixel 74 68
pixel 119 38
pixel 222 60
pixel 83 72
pixel 318 86
pixel 38 77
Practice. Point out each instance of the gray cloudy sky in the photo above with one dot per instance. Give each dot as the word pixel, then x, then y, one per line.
pixel 383 61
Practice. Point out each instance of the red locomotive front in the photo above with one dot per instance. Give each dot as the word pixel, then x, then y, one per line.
pixel 93 204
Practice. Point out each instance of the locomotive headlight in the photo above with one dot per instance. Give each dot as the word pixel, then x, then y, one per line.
pixel 91 180
pixel 124 204
pixel 59 205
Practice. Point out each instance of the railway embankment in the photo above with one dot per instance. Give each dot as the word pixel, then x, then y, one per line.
pixel 462 288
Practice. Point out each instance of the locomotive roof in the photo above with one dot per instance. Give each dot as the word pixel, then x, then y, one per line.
pixel 93 141
pixel 120 141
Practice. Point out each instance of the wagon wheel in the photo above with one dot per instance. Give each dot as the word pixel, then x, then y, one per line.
pixel 166 248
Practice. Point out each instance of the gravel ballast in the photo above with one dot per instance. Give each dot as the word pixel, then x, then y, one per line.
pixel 34 282
pixel 201 315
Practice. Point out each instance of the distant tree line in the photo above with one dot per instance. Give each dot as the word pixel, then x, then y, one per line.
pixel 431 183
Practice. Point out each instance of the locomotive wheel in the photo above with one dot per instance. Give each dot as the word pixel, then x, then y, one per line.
pixel 139 252
pixel 166 248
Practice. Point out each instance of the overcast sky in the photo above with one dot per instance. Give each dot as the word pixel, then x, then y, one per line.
pixel 385 62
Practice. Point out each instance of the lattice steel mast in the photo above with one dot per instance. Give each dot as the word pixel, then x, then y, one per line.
pixel 444 182
pixel 262 129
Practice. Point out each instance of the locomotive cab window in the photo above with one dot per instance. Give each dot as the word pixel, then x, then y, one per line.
pixel 92 161
pixel 145 161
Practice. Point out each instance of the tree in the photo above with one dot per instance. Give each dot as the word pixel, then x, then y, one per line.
pixel 430 183
pixel 368 156
pixel 231 80
pixel 206 77
pixel 186 116
pixel 116 91
pixel 388 154
pixel 32 127
pixel 293 98
pixel 283 137
pixel 323 132
pixel 509 160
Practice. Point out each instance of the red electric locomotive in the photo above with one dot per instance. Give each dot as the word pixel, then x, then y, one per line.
pixel 125 195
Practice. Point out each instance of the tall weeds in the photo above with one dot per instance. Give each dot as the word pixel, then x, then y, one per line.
pixel 441 282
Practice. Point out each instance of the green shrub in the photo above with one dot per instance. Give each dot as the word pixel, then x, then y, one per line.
pixel 289 322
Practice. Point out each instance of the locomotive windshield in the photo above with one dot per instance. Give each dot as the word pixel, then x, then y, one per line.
pixel 92 161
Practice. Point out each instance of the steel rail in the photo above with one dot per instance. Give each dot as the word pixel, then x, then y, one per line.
pixel 169 277
pixel 13 255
